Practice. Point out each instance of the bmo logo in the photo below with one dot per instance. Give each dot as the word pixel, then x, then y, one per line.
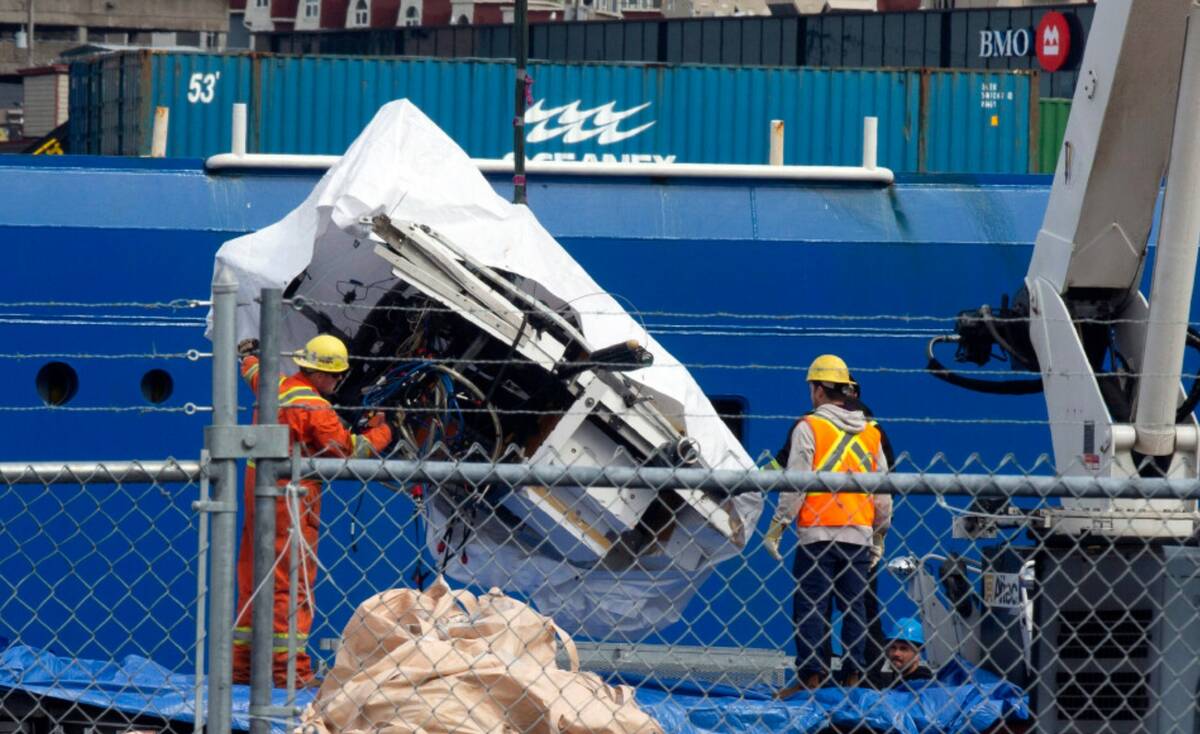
pixel 1003 44
pixel 1050 41
pixel 1053 41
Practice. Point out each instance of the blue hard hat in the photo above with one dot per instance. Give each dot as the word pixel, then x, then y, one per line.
pixel 909 630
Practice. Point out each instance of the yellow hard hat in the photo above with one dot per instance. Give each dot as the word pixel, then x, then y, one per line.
pixel 324 353
pixel 829 368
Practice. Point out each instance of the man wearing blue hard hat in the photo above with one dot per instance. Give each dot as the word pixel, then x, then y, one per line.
pixel 904 643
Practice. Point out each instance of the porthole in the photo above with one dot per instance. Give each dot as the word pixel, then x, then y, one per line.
pixel 57 383
pixel 157 386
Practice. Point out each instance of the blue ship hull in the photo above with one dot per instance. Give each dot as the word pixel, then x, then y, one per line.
pixel 121 230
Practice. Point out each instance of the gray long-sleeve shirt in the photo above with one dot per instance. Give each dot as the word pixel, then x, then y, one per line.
pixel 801 459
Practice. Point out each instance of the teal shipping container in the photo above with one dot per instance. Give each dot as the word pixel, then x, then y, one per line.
pixel 929 121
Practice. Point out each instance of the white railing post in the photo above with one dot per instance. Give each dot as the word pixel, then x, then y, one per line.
pixel 239 129
pixel 776 143
pixel 158 142
pixel 870 142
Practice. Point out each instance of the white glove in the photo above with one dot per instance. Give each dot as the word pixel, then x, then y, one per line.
pixel 877 548
pixel 772 538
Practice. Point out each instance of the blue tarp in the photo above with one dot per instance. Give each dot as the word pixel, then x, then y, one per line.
pixel 134 685
pixel 962 699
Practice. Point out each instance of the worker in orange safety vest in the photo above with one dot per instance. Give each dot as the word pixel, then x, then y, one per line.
pixel 313 425
pixel 837 530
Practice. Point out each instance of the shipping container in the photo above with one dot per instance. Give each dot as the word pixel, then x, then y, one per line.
pixel 106 97
pixel 1052 128
pixel 113 97
pixel 978 122
pixel 935 121
pixel 981 38
pixel 695 114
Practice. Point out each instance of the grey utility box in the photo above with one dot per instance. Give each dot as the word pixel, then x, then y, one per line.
pixel 1117 638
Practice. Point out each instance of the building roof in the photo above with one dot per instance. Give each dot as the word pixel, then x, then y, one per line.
pixel 44 70
pixel 92 49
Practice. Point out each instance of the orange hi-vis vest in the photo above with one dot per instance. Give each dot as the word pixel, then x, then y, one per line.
pixel 836 450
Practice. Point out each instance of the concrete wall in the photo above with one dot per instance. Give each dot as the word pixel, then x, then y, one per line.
pixel 45 52
pixel 192 15
pixel 60 25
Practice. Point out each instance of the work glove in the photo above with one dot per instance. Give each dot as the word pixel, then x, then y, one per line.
pixel 877 548
pixel 246 347
pixel 772 538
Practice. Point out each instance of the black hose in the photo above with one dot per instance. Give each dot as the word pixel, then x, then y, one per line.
pixel 985 311
pixel 508 358
pixel 990 387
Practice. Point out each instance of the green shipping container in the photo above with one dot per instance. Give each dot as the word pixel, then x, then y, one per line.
pixel 1052 126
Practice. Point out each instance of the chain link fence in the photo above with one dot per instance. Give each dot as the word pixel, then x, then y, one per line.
pixel 460 584
pixel 101 573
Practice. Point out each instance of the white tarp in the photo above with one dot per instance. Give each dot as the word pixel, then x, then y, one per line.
pixel 404 166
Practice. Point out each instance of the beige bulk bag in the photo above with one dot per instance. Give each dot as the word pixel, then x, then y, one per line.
pixel 447 661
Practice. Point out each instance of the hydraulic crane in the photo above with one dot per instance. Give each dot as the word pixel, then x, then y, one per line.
pixel 1110 361
pixel 1099 618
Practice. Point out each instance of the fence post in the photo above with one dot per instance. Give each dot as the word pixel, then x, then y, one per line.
pixel 265 497
pixel 224 524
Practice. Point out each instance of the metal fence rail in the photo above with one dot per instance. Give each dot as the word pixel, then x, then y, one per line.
pixel 735 482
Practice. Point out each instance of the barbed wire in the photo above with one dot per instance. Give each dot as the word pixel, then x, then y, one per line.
pixel 114 316
pixel 194 355
pixel 300 302
pixel 685 415
pixel 190 355
pixel 791 334
pixel 186 408
pixel 98 322
pixel 177 303
pixel 628 367
pixel 191 303
pixel 193 408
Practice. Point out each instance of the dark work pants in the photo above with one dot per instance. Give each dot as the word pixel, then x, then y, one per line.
pixel 824 572
pixel 873 648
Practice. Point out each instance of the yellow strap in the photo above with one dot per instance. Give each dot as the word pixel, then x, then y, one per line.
pixel 859 449
pixel 297 395
pixel 854 445
pixel 242 636
pixel 297 392
pixel 832 447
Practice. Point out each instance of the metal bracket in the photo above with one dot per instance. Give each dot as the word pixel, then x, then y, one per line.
pixel 282 491
pixel 215 507
pixel 972 528
pixel 274 712
pixel 204 504
pixel 246 442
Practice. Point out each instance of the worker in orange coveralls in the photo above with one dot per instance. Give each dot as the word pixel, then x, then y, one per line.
pixel 315 426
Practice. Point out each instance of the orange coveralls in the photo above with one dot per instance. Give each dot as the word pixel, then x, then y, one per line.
pixel 314 425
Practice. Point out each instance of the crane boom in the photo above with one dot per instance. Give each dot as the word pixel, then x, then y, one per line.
pixel 1110 360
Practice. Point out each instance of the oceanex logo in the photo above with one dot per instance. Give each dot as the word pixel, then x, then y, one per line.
pixel 605 125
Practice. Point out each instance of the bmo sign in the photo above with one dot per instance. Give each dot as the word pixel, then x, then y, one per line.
pixel 1050 41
